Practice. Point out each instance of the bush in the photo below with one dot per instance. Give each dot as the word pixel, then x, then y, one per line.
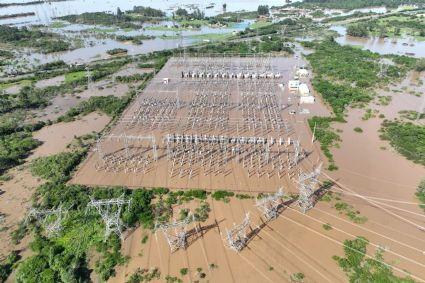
pixel 7 266
pixel 222 195
pixel 56 168
pixel 358 130
pixel 360 268
pixel 407 138
pixel 110 105
pixel 14 148
pixel 420 193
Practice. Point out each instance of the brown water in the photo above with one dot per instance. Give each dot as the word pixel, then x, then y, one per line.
pixel 401 46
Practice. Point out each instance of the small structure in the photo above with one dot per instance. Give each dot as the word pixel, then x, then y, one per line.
pixel 303 90
pixel 165 80
pixel 307 99
pixel 302 73
pixel 293 85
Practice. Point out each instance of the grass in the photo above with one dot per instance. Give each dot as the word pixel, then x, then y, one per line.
pixel 58 24
pixel 212 36
pixel 74 76
pixel 20 83
pixel 260 24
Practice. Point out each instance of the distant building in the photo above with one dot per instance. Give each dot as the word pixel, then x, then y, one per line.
pixel 303 90
pixel 293 85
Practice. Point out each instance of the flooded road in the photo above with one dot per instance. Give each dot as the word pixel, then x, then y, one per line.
pixel 399 46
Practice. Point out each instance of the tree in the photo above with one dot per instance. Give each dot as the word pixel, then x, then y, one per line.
pixel 181 12
pixel 119 13
pixel 263 10
pixel 358 30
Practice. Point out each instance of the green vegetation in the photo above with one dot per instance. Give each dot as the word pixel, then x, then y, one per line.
pixel 7 266
pixel 327 226
pixel 148 12
pixel 297 277
pixel 14 148
pixel 355 4
pixel 30 37
pixel 57 167
pixel 325 135
pixel 144 275
pixel 390 25
pixel 184 271
pixel 420 65
pixel 361 268
pixel 411 115
pixel 407 138
pixel 347 17
pixel 202 212
pixel 117 51
pixel 75 76
pixel 103 18
pixel 345 76
pixel 358 130
pixel 350 212
pixel 222 195
pixel 420 193
pixel 133 78
pixel 263 10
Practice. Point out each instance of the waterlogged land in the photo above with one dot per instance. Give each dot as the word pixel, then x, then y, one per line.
pixel 366 118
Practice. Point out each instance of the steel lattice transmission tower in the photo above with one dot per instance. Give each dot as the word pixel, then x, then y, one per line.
pixel 49 219
pixel 269 205
pixel 236 237
pixel 110 211
pixel 306 185
pixel 176 232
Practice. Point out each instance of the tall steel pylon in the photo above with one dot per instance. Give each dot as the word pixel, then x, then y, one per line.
pixel 306 185
pixel 110 211
pixel 270 204
pixel 236 237
pixel 49 219
pixel 176 232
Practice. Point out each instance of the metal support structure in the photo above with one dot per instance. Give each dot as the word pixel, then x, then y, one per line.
pixel 306 185
pixel 236 237
pixel 49 219
pixel 176 232
pixel 269 205
pixel 110 211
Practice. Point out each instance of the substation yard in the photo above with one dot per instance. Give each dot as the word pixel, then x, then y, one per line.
pixel 207 123
pixel 238 134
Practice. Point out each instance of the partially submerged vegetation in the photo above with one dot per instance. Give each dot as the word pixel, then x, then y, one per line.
pixel 420 194
pixel 44 42
pixel 345 76
pixel 354 4
pixel 407 138
pixel 361 267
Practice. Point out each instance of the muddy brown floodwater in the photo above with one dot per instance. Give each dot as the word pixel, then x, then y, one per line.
pixel 15 197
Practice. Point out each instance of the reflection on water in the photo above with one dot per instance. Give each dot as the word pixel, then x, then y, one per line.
pixel 46 11
pixel 400 46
